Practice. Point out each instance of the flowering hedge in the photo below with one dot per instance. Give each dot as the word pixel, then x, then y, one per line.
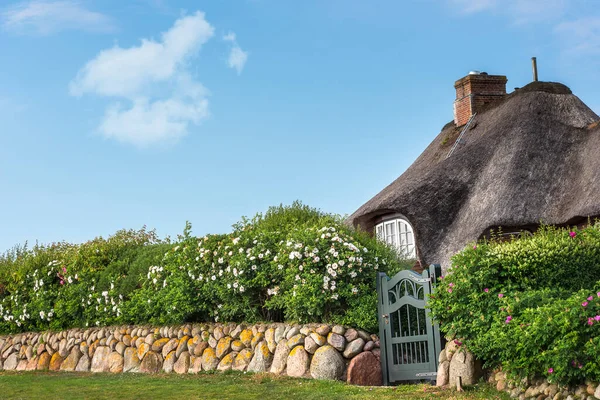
pixel 531 305
pixel 293 263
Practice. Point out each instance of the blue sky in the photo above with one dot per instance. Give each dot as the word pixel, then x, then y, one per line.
pixel 119 114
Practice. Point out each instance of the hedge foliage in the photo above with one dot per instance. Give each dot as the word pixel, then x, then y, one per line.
pixel 293 263
pixel 530 305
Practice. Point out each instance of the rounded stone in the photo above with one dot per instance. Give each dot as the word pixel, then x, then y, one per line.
pixel 242 360
pixel 131 362
pixel 182 364
pixel 298 362
pixel 209 359
pixel 115 363
pixel 152 363
pixel 282 352
pixel 354 347
pixel 365 369
pixel 327 363
pixel 55 362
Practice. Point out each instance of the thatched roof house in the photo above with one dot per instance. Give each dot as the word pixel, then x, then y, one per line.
pixel 523 158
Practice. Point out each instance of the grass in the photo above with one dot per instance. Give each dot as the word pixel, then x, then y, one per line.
pixel 61 385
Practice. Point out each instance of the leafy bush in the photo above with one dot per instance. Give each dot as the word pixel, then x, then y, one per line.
pixel 531 305
pixel 292 263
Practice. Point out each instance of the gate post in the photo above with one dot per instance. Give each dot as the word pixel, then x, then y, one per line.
pixel 381 288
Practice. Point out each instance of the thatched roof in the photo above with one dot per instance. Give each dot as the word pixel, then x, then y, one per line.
pixel 535 157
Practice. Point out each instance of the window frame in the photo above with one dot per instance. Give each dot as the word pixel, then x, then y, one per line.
pixel 403 240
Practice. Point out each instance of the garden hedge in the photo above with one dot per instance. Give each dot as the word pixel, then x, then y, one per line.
pixel 293 263
pixel 530 305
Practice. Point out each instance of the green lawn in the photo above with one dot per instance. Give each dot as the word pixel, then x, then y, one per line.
pixel 49 385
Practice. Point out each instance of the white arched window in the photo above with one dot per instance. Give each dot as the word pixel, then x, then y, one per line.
pixel 398 233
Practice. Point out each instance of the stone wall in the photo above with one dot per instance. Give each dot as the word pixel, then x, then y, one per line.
pixel 455 361
pixel 317 351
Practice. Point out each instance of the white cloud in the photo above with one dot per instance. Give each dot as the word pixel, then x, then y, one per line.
pixel 164 99
pixel 230 37
pixel 237 57
pixel 582 36
pixel 44 17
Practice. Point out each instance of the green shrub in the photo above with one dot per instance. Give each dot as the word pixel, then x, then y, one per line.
pixel 293 263
pixel 531 305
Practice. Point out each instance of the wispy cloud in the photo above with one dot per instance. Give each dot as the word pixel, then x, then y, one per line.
pixel 518 11
pixel 582 35
pixel 44 17
pixel 159 98
pixel 237 57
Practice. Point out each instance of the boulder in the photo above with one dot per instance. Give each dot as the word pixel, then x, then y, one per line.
pixel 310 345
pixel 142 350
pixel 72 359
pixel 354 347
pixel 443 375
pixel 169 362
pixel 11 362
pixel 227 362
pixel 182 365
pixel 351 334
pixel 298 362
pixel 246 337
pixel 182 346
pixel 199 348
pixel 83 365
pixel 158 345
pixel 242 360
pixel 152 363
pixel 336 341
pixel 270 338
pixel 209 359
pixel 131 362
pixel 323 330
pixel 463 364
pixel 282 352
pixel 365 370
pixel 100 359
pixel 295 340
pixel 43 361
pixel 279 333
pixel 55 362
pixel 327 363
pixel 115 362
pixel 223 346
pixel 262 358
pixel 196 365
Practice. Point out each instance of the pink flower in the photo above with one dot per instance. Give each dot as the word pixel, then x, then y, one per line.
pixel 474 247
pixel 451 284
pixel 590 298
pixel 572 234
pixel 585 303
pixel 500 295
pixel 550 370
pixel 486 290
pixel 597 317
pixel 590 321
pixel 508 319
pixel 449 290
pixel 62 282
pixel 457 342
pixel 598 294
pixel 64 270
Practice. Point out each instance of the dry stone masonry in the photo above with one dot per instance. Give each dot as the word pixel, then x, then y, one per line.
pixel 455 361
pixel 316 351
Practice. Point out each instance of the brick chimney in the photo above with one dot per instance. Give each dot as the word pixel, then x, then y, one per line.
pixel 475 91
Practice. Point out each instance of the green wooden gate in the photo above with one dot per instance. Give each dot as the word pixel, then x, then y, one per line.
pixel 409 339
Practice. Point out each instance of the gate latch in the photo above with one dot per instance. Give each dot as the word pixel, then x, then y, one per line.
pixel 387 318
